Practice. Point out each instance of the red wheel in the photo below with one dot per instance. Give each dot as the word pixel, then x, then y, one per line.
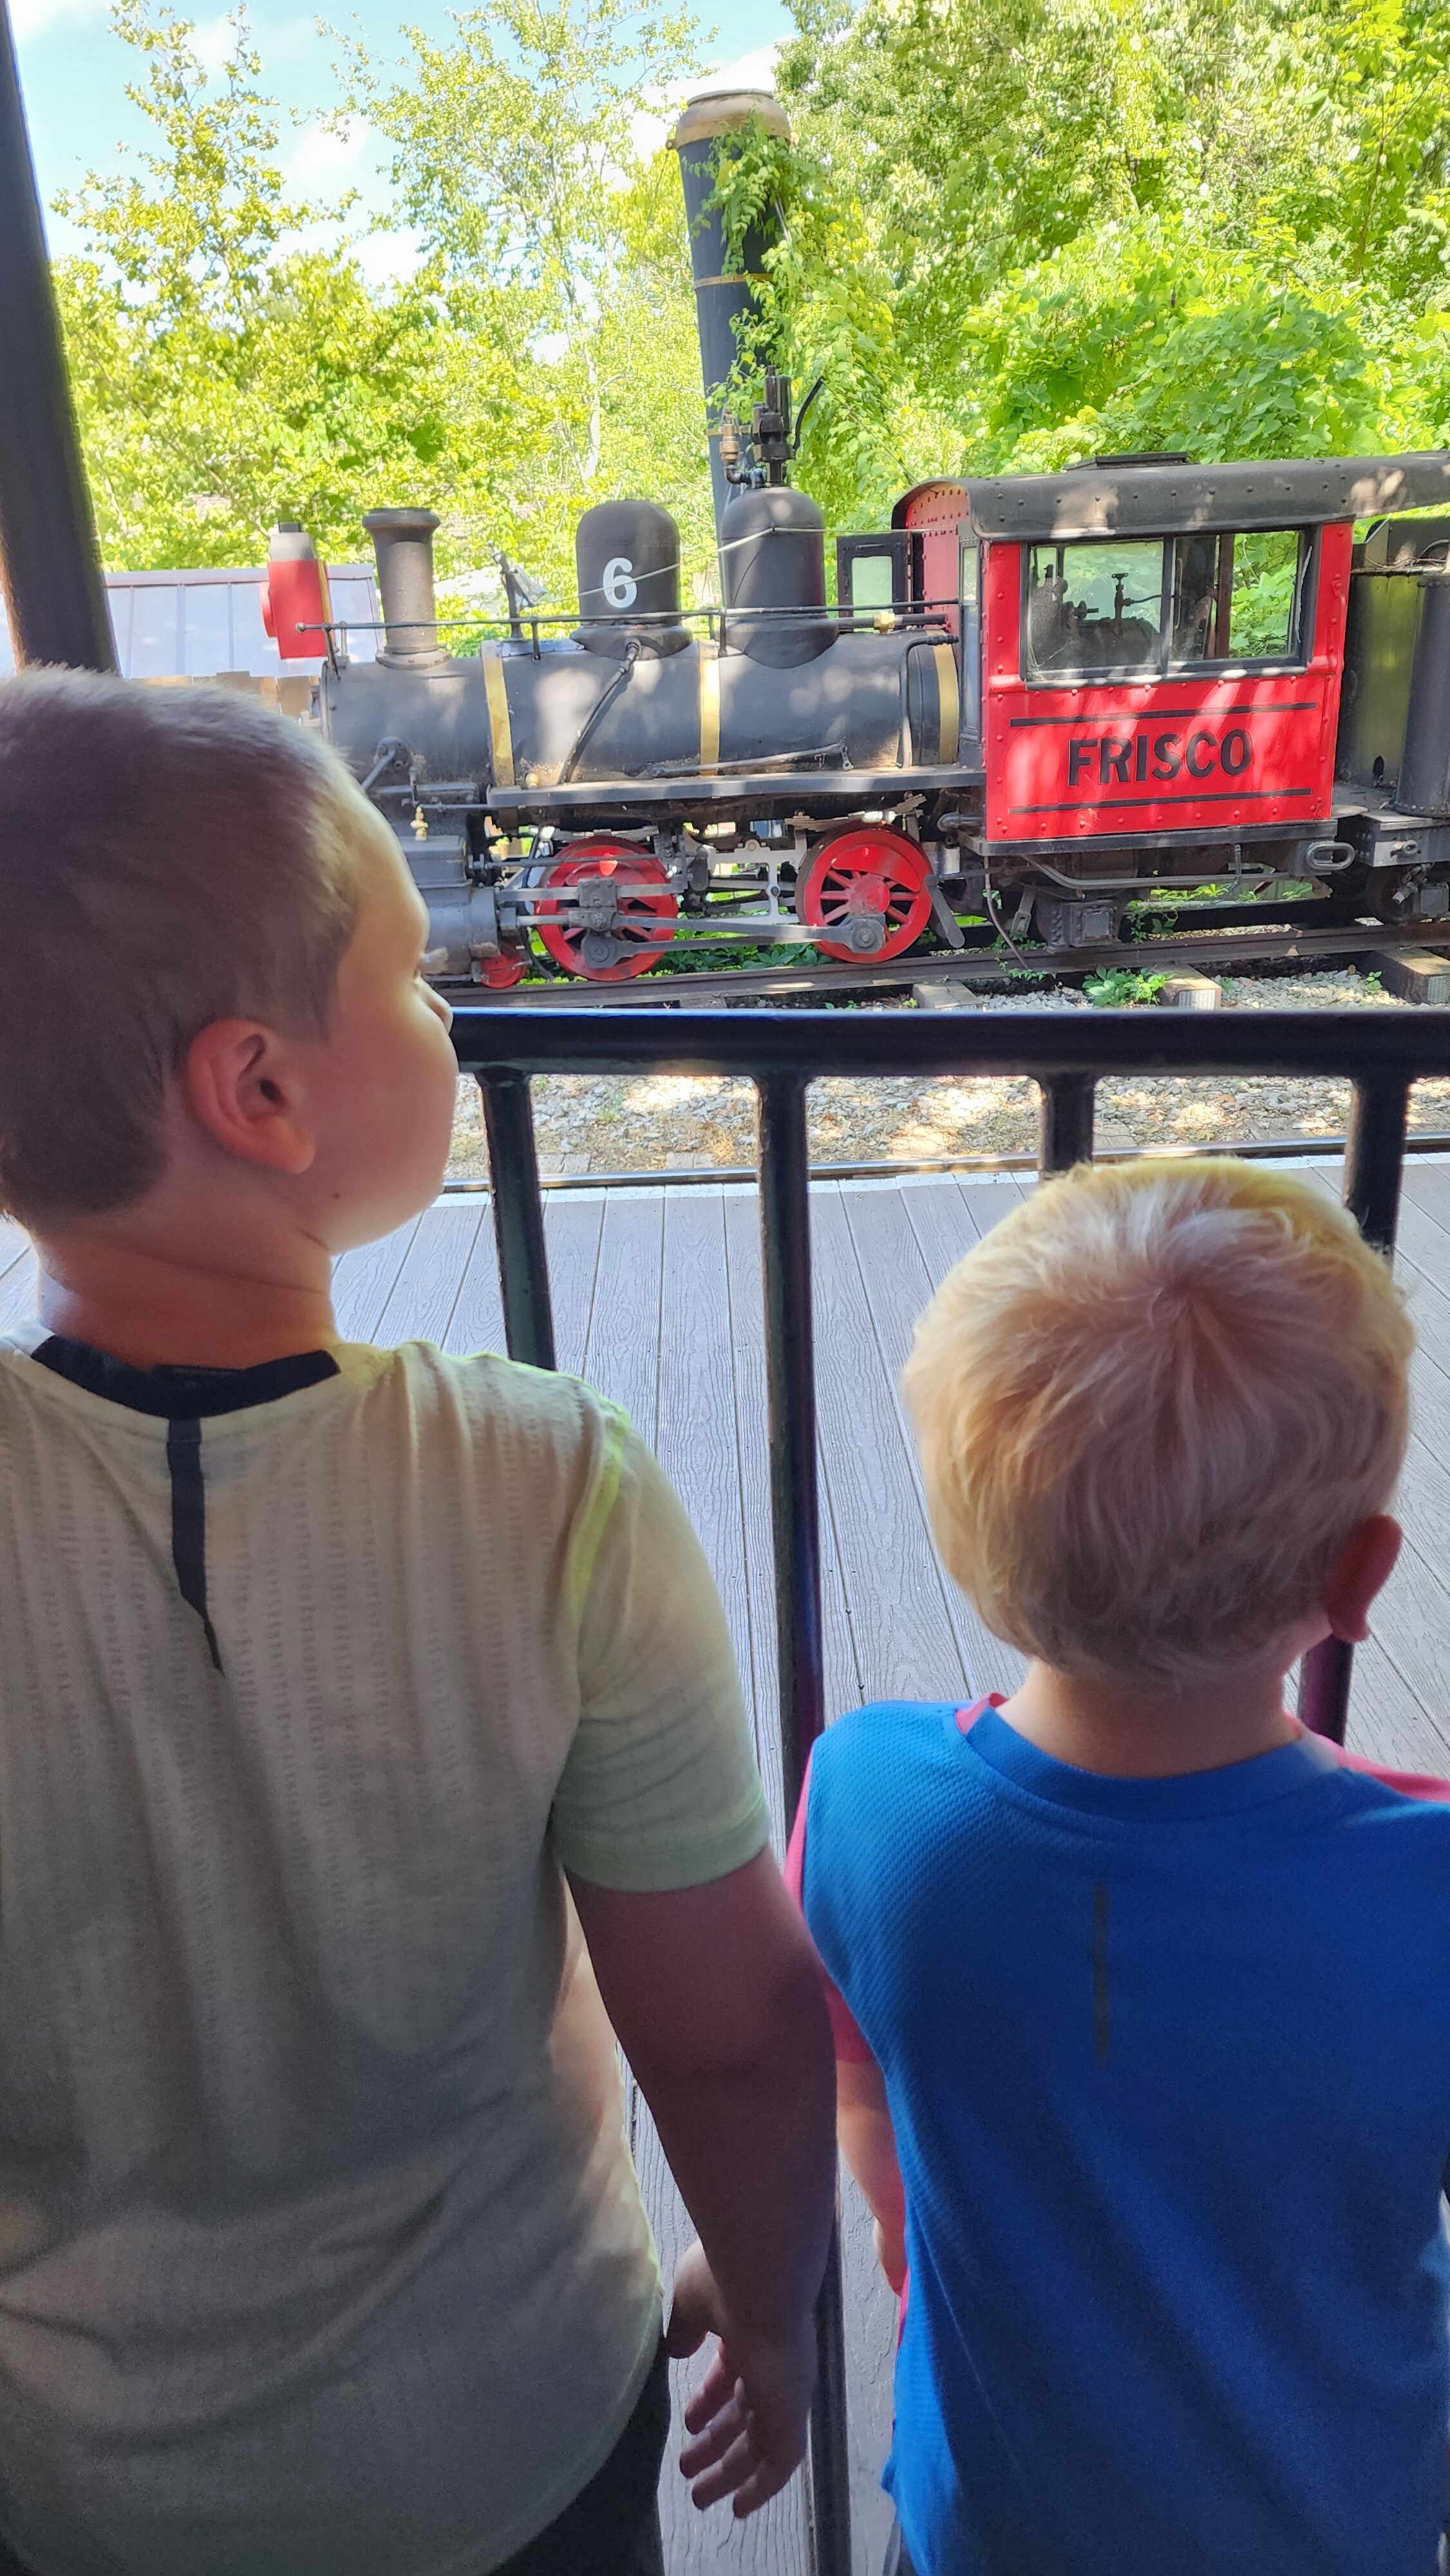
pixel 871 887
pixel 501 971
pixel 643 919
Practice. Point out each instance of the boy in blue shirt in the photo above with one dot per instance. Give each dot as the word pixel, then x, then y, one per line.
pixel 1142 1995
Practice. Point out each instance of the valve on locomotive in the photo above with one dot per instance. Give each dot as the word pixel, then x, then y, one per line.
pixel 762 454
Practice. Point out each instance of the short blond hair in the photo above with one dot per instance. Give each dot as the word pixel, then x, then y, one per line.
pixel 167 857
pixel 1151 1406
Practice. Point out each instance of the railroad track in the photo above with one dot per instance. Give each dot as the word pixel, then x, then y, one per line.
pixel 1232 937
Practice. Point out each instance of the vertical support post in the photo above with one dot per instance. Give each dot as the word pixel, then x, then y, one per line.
pixel 518 1217
pixel 1373 1169
pixel 1065 1121
pixel 795 1523
pixel 48 562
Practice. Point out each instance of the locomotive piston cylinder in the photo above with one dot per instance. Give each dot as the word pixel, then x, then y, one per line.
pixel 462 917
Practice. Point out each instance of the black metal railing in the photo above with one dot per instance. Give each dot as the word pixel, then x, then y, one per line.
pixel 1382 1054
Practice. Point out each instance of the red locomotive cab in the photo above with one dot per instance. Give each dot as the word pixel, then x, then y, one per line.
pixel 1161 658
pixel 296 606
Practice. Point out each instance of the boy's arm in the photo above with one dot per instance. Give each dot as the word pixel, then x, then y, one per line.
pixel 706 1973
pixel 863 2124
pixel 714 1994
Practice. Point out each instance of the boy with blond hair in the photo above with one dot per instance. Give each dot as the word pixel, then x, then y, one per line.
pixel 370 1742
pixel 1142 1995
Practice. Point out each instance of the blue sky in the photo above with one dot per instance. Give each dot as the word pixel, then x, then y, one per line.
pixel 74 72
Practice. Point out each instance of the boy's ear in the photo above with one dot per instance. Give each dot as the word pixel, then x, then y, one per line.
pixel 1362 1568
pixel 242 1090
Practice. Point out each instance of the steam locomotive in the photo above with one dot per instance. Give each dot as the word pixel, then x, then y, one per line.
pixel 1035 700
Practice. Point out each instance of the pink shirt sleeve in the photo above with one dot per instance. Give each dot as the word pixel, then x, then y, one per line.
pixel 1410 1784
pixel 849 2042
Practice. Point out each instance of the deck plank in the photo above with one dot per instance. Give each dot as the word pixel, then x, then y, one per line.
pixel 362 1282
pixel 898 1280
pixel 905 1643
pixel 17 1291
pixel 697 1445
pixel 421 1300
pixel 622 1352
pixel 476 1322
pixel 697 1438
pixel 573 1224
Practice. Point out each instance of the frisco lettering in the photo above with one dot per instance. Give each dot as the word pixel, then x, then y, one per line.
pixel 1146 756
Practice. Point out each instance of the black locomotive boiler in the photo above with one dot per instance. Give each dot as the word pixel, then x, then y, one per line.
pixel 637 777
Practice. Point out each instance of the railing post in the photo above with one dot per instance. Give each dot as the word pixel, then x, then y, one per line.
pixel 785 1226
pixel 1064 1121
pixel 51 574
pixel 1373 1169
pixel 518 1217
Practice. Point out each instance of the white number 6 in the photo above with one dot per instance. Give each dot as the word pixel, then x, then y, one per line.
pixel 620 589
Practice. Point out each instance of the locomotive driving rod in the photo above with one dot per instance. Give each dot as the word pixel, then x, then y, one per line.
pixel 52 578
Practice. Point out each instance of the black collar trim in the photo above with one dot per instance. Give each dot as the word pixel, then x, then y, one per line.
pixel 182 1394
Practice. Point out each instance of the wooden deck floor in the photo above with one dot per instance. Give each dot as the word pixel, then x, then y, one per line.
pixel 657 1301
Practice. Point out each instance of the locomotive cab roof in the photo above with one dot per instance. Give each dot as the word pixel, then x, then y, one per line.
pixel 1160 500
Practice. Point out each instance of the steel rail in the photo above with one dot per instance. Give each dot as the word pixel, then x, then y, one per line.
pixel 1303 949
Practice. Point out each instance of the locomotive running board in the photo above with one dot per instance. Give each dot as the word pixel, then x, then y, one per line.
pixel 845 787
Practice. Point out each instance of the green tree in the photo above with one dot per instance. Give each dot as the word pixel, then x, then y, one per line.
pixel 540 356
pixel 223 378
pixel 551 239
pixel 1024 232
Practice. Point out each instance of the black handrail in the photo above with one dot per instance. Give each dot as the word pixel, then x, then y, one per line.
pixel 783 1051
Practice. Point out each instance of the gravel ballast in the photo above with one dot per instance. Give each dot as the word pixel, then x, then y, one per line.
pixel 684 1122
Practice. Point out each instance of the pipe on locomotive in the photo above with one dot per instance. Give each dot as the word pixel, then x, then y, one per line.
pixel 723 296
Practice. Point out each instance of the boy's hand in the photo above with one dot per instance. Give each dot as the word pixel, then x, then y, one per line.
pixel 749 2415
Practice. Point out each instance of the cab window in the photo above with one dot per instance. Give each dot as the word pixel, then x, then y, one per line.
pixel 1143 606
pixel 1093 607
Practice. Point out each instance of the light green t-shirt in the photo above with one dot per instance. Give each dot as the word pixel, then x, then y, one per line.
pixel 321 2252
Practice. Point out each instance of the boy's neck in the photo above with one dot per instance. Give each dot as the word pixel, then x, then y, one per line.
pixel 1152 1734
pixel 160 1308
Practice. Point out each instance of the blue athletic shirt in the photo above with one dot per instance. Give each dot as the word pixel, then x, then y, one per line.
pixel 1168 2063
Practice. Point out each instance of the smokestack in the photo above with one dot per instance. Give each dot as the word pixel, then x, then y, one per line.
pixel 721 296
pixel 403 545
